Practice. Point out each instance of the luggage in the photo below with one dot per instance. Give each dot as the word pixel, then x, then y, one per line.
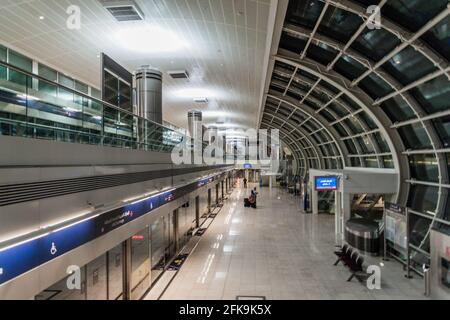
pixel 246 202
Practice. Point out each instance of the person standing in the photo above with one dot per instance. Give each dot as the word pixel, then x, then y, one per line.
pixel 245 183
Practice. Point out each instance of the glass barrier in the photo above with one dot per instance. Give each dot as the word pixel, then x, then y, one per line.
pixel 34 107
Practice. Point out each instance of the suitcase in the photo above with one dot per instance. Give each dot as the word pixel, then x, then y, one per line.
pixel 246 202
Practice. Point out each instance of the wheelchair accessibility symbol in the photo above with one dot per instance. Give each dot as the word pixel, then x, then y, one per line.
pixel 53 249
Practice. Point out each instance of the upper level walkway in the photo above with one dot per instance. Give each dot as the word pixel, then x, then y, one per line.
pixel 277 252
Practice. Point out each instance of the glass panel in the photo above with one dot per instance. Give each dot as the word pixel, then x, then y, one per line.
pixel 339 24
pixel 340 129
pixel 423 198
pixel 304 13
pixel 365 145
pixel 349 67
pixel 414 13
pixel 47 73
pixel 292 43
pixel 96 279
pixel 338 109
pixel 350 102
pixel 355 162
pixel 414 136
pixel 397 109
pixel 350 146
pixel 79 86
pixel 158 246
pixel 375 86
pixel 446 215
pixel 376 43
pixel 353 125
pixel 371 162
pixel 367 120
pixel 382 144
pixel 433 95
pixel 111 88
pixel 387 161
pixel 140 263
pixel 59 290
pixel 125 96
pixel 408 65
pixel 115 273
pixel 439 37
pixel 327 115
pixel 65 81
pixel 96 93
pixel 46 88
pixel 3 58
pixel 22 62
pixel 424 167
pixel 321 53
pixel 442 126
pixel 170 235
pixel 419 227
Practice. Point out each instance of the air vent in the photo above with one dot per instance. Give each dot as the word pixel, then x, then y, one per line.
pixel 179 74
pixel 201 100
pixel 126 10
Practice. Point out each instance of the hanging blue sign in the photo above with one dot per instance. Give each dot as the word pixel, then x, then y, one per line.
pixel 325 183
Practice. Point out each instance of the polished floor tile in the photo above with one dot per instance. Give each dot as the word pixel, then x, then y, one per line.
pixel 278 252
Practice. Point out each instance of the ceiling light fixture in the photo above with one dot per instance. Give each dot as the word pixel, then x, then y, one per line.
pixel 149 39
pixel 193 93
pixel 41 18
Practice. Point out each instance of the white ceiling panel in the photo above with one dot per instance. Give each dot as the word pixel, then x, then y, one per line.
pixel 223 51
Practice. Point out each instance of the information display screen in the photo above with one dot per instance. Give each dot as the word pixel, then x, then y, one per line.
pixel 247 166
pixel 325 183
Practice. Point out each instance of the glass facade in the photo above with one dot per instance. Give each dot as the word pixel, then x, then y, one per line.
pixel 406 87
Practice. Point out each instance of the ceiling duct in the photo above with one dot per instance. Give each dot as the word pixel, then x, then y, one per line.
pixel 123 10
pixel 201 100
pixel 179 74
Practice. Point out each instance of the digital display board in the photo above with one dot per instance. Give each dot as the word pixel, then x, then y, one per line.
pixel 325 183
pixel 247 166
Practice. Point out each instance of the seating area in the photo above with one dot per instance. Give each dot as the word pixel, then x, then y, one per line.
pixel 353 261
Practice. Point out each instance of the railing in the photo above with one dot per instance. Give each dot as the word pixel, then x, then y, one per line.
pixel 34 107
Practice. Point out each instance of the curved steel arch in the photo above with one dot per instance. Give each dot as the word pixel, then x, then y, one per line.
pixel 399 90
pixel 292 142
pixel 298 150
pixel 311 143
pixel 392 137
pixel 350 132
pixel 310 115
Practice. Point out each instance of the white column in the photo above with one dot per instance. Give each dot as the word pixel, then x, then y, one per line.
pixel 314 201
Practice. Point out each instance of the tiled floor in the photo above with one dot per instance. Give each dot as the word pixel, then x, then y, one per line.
pixel 277 252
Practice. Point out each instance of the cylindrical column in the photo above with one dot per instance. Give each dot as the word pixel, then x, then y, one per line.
pixel 149 94
pixel 196 131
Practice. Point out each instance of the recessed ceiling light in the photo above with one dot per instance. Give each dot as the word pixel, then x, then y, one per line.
pixel 157 39
pixel 41 18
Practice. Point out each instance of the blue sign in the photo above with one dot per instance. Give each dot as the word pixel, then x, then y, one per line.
pixel 25 256
pixel 247 166
pixel 325 183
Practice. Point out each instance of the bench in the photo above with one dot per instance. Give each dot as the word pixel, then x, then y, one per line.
pixel 353 261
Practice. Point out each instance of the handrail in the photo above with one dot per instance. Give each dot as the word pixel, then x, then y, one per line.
pixel 40 78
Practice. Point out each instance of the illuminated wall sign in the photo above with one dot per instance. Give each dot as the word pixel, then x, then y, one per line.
pixel 325 183
pixel 247 166
pixel 25 256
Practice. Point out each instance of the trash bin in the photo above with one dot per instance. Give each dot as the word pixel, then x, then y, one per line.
pixel 427 279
